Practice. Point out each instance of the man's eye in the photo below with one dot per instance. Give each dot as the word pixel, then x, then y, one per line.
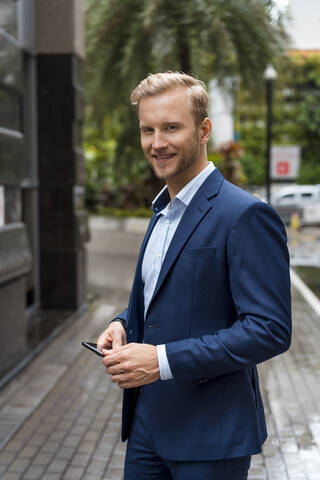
pixel 147 131
pixel 171 128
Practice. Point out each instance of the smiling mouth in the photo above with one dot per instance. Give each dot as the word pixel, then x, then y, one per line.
pixel 162 157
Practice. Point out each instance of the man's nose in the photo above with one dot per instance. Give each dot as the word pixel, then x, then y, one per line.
pixel 159 141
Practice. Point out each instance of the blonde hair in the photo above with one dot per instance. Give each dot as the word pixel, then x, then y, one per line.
pixel 156 83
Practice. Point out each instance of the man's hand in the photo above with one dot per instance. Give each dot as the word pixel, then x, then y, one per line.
pixel 113 337
pixel 133 365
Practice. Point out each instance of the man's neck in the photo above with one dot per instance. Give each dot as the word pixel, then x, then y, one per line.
pixel 176 184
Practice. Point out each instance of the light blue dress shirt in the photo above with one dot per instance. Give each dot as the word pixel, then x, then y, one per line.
pixel 159 242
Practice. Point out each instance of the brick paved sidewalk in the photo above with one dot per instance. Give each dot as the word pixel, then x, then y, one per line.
pixel 63 413
pixel 291 394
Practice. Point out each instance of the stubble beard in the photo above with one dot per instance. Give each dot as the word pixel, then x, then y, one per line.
pixel 188 158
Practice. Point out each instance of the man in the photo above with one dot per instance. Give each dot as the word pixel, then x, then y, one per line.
pixel 210 300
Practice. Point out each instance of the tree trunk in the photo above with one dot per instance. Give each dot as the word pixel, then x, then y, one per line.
pixel 182 37
pixel 183 52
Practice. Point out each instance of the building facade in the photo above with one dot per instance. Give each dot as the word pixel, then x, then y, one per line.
pixel 43 227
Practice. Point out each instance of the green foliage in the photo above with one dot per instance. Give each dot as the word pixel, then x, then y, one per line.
pixel 114 161
pixel 216 158
pixel 296 119
pixel 127 39
pixel 99 154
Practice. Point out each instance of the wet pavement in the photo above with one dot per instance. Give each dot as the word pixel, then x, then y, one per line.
pixel 304 246
pixel 60 417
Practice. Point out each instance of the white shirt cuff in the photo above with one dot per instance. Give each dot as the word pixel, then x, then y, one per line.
pixel 164 367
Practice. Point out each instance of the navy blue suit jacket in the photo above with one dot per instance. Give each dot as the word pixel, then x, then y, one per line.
pixel 221 305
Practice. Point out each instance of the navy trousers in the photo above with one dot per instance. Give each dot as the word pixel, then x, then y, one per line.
pixel 143 463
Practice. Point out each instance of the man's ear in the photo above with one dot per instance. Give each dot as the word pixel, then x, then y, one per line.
pixel 205 131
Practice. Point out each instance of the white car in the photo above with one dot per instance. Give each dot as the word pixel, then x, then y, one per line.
pixel 303 200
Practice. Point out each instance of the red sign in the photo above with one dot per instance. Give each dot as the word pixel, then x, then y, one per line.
pixel 282 168
pixel 285 162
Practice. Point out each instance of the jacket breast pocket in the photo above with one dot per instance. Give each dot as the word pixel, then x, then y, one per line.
pixel 199 252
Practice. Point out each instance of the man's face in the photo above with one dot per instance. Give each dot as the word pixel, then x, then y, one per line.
pixel 169 137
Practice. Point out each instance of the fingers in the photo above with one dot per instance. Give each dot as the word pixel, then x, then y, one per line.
pixel 128 380
pixel 105 352
pixel 117 369
pixel 109 357
pixel 121 382
pixel 117 339
pixel 112 357
pixel 119 336
pixel 132 365
pixel 104 340
pixel 116 354
pixel 113 337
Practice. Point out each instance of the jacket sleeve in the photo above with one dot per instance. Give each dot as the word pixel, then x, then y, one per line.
pixel 258 265
pixel 122 317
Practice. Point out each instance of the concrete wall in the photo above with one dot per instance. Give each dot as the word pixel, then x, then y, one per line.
pixel 60 47
pixel 60 26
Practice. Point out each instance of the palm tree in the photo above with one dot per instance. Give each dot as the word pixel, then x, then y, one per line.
pixel 127 39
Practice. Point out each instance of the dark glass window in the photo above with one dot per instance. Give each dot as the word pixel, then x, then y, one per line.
pixel 10 83
pixel 8 16
pixel 11 150
pixel 11 62
pixel 288 196
pixel 13 204
pixel 11 108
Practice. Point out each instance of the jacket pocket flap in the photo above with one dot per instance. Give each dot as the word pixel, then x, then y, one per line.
pixel 199 252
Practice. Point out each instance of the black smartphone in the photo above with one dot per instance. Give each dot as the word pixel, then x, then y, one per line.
pixel 92 347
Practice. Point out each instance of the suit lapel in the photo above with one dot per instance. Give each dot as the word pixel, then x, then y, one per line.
pixel 150 228
pixel 136 302
pixel 193 215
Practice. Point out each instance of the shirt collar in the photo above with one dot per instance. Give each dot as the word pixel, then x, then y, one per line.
pixel 185 195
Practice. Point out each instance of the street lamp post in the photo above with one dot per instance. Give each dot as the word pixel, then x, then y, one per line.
pixel 269 75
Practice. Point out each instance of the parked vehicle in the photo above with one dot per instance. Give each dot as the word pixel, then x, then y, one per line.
pixel 300 200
